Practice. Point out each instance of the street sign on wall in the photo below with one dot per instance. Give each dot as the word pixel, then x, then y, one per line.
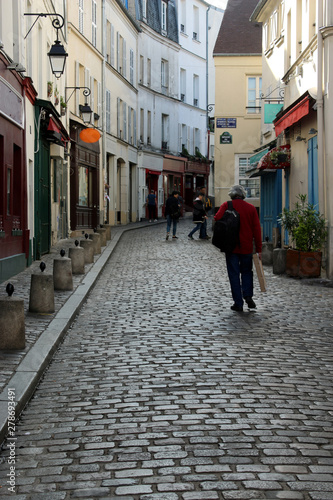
pixel 225 138
pixel 226 122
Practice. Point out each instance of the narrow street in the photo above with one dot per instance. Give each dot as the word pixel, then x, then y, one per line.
pixel 161 392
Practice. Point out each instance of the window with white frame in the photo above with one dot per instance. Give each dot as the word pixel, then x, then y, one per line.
pixel 266 38
pixel 183 85
pixel 164 16
pixel 81 16
pixel 165 131
pixel 274 26
pixel 144 9
pixel 254 94
pixel 142 125
pixel 148 72
pixel 112 46
pixel 148 127
pixel 195 90
pixel 121 55
pixel 195 23
pixel 132 66
pixel 108 111
pixel 142 69
pixel 184 137
pixel 196 137
pixel 94 23
pixel 164 77
pixel 183 16
pixel 251 186
pixel 108 42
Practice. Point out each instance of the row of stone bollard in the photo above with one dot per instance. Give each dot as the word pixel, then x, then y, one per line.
pixel 41 300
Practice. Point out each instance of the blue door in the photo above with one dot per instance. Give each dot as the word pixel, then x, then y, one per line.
pixel 270 202
pixel 313 193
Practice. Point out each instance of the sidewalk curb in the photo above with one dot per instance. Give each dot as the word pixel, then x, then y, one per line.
pixel 30 370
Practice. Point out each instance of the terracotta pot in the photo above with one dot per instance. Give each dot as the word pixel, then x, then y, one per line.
pixel 303 264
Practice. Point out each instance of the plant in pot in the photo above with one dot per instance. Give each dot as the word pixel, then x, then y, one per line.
pixel 63 106
pixel 307 228
pixel 49 89
pixel 56 96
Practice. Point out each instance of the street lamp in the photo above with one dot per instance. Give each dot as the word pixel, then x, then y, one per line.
pixel 85 109
pixel 57 54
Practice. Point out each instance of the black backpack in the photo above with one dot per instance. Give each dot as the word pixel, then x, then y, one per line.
pixel 226 230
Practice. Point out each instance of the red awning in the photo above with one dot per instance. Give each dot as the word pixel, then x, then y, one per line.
pixel 292 116
pixel 276 158
pixel 52 127
pixel 153 172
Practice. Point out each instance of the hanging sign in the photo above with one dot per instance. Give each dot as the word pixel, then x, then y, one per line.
pixel 271 110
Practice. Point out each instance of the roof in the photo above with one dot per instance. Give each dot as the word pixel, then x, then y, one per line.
pixel 237 35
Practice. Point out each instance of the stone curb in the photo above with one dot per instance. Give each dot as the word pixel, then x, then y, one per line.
pixel 30 370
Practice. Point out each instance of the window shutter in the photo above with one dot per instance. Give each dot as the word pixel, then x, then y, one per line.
pixel 179 137
pixel 124 58
pixel 112 45
pixel 131 67
pixel 99 103
pixel 118 50
pixel 130 138
pixel 134 128
pixel 125 120
pixel 118 116
pixel 92 95
pixel 77 84
pixel 108 111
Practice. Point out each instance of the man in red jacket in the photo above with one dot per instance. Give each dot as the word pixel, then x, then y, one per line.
pixel 239 261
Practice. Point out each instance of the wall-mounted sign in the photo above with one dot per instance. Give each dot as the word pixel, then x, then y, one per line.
pixel 225 138
pixel 271 110
pixel 226 122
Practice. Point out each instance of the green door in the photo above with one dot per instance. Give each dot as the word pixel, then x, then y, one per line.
pixel 42 200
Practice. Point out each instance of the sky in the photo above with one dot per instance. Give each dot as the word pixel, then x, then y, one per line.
pixel 218 3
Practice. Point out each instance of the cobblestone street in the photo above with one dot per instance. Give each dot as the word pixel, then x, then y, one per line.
pixel 160 392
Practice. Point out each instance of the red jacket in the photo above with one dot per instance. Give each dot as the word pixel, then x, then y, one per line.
pixel 249 226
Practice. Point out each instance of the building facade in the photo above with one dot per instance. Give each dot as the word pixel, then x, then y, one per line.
pixel 297 65
pixel 238 76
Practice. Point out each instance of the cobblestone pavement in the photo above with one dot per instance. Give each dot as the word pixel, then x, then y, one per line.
pixel 160 392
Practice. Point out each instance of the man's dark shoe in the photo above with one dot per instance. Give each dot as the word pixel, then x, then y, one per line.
pixel 237 308
pixel 250 303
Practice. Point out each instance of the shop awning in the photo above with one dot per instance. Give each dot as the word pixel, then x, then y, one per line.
pixel 153 172
pixel 254 160
pixel 292 115
pixel 276 158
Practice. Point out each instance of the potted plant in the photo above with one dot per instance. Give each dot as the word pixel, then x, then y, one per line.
pixel 307 228
pixel 49 89
pixel 63 106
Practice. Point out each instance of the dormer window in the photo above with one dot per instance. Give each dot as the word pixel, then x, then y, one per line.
pixel 164 16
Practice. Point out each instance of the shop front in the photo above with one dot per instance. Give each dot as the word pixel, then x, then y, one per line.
pixel 173 176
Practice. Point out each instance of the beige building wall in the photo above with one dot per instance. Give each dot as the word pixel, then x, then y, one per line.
pixel 231 94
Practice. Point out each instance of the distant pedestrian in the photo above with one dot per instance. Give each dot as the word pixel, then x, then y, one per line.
pixel 172 213
pixel 208 205
pixel 199 215
pixel 239 261
pixel 152 205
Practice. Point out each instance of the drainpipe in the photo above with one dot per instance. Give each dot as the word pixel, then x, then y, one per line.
pixel 320 107
pixel 104 162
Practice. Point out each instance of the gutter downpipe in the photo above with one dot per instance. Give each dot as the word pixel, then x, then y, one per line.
pixel 320 105
pixel 104 163
pixel 207 117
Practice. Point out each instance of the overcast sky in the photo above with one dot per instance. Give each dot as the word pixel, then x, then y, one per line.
pixel 219 3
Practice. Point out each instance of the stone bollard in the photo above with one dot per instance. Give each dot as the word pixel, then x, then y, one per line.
pixel 267 253
pixel 88 248
pixel 108 231
pixel 62 273
pixel 12 327
pixel 41 292
pixel 77 257
pixel 102 232
pixel 279 260
pixel 96 239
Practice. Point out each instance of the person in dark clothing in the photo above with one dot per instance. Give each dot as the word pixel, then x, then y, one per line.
pixel 172 214
pixel 199 214
pixel 208 205
pixel 151 201
pixel 239 261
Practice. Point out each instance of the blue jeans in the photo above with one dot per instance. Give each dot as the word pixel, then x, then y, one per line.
pixel 203 229
pixel 196 228
pixel 174 226
pixel 240 274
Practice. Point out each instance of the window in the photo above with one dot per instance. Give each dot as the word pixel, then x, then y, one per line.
pixel 164 16
pixel 183 16
pixel 142 125
pixel 196 137
pixel 112 46
pixel 195 90
pixel 183 85
pixel 108 42
pixel 148 127
pixel 254 94
pixel 131 67
pixel 142 68
pixel 195 23
pixel 121 55
pixel 108 111
pixel 94 23
pixel 148 72
pixel 164 77
pixel 144 9
pixel 83 187
pixel 165 131
pixel 81 16
pixel 251 186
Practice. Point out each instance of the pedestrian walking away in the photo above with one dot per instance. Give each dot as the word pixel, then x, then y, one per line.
pixel 199 215
pixel 172 214
pixel 208 205
pixel 152 206
pixel 240 261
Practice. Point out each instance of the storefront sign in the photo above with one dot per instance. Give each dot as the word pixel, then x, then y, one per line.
pixel 226 122
pixel 271 110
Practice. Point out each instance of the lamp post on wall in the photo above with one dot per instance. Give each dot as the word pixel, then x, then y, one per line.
pixel 85 110
pixel 57 54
